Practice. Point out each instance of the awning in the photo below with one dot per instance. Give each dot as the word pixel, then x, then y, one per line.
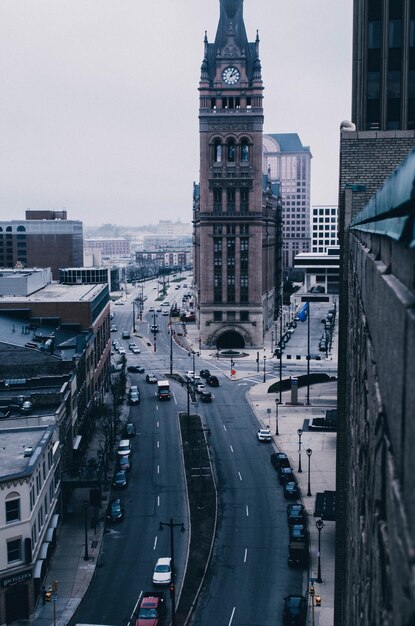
pixel 76 442
pixel 54 521
pixel 37 570
pixel 44 550
pixel 49 536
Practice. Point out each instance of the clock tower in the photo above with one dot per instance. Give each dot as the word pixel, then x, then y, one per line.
pixel 236 212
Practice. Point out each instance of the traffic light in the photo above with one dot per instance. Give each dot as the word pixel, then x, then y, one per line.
pixel 171 590
pixel 318 600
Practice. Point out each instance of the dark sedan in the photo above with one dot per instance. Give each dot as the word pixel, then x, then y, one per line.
pixel 204 373
pixel 129 430
pixel 115 511
pixel 120 480
pixel 212 381
pixel 291 490
pixel 285 474
pixel 124 463
pixel 295 610
pixel 206 396
pixel 135 369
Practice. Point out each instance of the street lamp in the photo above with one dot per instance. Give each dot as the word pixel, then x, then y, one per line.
pixel 276 416
pixel 299 433
pixel 171 525
pixel 272 342
pixel 319 526
pixel 265 363
pixel 309 452
pixel 86 505
pixel 155 332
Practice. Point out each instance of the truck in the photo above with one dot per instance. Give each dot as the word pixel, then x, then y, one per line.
pixel 163 389
pixel 151 609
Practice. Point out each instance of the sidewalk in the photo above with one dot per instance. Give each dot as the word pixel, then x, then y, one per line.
pixel 68 565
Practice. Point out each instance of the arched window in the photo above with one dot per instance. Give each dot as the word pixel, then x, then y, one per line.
pixel 12 507
pixel 244 150
pixel 231 151
pixel 21 229
pixel 217 151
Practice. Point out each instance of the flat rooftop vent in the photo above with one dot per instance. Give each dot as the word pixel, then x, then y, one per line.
pixel 28 451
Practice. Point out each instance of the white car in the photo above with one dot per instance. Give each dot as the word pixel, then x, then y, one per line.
pixel 264 434
pixel 162 571
pixel 200 387
pixel 190 375
pixel 135 350
pixel 122 350
pixel 124 447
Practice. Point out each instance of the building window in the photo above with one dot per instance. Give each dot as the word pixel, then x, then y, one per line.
pixel 244 316
pixel 374 35
pixel 217 151
pixel 230 316
pixel 395 34
pixel 12 508
pixel 230 193
pixel 14 550
pixel 217 316
pixel 217 229
pixel 231 151
pixel 244 150
pixel 217 199
pixel 394 84
pixel 244 199
pixel 230 229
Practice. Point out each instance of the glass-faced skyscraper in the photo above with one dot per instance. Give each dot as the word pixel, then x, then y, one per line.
pixel 237 265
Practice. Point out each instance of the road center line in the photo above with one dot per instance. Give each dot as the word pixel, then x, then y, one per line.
pixel 247 511
pixel 155 543
pixel 239 474
pixel 231 448
pixel 158 469
pixel 246 555
pixel 233 613
pixel 158 424
pixel 158 444
pixel 224 427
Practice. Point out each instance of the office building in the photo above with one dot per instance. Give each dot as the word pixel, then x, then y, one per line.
pixel 289 163
pixel 323 228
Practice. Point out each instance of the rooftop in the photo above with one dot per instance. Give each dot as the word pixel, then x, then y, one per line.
pixel 13 460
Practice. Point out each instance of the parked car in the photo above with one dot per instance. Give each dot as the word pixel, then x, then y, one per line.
pixel 206 396
pixel 120 480
pixel 113 328
pixel 296 514
pixel 264 434
pixel 122 350
pixel 134 398
pixel 212 381
pixel 298 532
pixel 204 373
pixel 129 430
pixel 151 378
pixel 162 571
pixel 279 459
pixel 136 369
pixel 285 474
pixel 295 610
pixel 124 463
pixel 124 447
pixel 115 511
pixel 291 490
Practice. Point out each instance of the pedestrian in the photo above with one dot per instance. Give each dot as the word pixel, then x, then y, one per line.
pixel 43 594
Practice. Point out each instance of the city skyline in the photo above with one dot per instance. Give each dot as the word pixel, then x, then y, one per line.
pixel 100 117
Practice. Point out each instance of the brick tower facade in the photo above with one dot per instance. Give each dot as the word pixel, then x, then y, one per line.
pixel 236 210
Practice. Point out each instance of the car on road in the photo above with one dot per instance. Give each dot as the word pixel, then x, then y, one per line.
pixel 134 397
pixel 125 334
pixel 116 345
pixel 165 313
pixel 115 511
pixel 122 350
pixel 158 310
pixel 151 378
pixel 200 387
pixel 298 532
pixel 124 447
pixel 206 396
pixel 133 346
pixel 135 350
pixel 113 328
pixel 151 309
pixel 296 514
pixel 212 381
pixel 124 463
pixel 151 609
pixel 120 480
pixel 204 373
pixel 285 474
pixel 316 357
pixel 279 459
pixel 129 430
pixel 162 571
pixel 295 611
pixel 264 434
pixel 154 328
pixel 291 490
pixel 119 303
pixel 135 369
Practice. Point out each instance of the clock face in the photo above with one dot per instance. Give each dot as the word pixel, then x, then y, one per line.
pixel 231 75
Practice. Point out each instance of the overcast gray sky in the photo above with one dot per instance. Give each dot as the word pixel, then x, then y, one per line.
pixel 99 100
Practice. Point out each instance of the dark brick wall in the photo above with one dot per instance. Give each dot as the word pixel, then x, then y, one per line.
pixel 375 539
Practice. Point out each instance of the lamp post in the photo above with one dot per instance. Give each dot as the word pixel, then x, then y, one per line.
pixel 86 505
pixel 133 303
pixel 309 452
pixel 319 526
pixel 299 433
pixel 171 350
pixel 171 525
pixel 201 431
pixel 265 363
pixel 276 416
pixel 155 332
pixel 272 342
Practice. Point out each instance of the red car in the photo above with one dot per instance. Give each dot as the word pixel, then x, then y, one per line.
pixel 151 609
